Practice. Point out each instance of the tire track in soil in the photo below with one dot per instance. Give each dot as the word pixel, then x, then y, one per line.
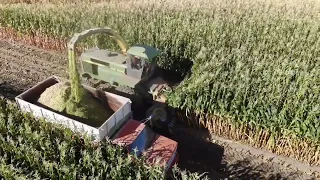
pixel 21 67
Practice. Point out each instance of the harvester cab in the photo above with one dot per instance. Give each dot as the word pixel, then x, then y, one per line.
pixel 141 62
pixel 133 67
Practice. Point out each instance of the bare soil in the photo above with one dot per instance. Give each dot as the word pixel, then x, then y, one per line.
pixel 21 67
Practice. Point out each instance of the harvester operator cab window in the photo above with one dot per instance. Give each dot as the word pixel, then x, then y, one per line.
pixel 136 62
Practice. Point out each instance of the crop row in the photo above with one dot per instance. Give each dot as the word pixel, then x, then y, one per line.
pixel 256 72
pixel 35 149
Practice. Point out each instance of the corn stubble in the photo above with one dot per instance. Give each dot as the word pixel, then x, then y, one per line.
pixel 256 73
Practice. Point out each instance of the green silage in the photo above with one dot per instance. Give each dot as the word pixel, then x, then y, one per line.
pixel 89 109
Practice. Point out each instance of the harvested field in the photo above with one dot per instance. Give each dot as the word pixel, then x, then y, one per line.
pixel 23 66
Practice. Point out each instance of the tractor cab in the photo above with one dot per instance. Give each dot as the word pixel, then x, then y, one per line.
pixel 141 65
pixel 141 62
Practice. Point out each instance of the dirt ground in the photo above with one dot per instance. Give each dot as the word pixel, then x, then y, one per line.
pixel 21 67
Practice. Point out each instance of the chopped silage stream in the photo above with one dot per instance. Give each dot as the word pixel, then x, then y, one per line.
pixel 21 67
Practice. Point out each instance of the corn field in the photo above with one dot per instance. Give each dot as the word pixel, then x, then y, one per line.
pixel 256 72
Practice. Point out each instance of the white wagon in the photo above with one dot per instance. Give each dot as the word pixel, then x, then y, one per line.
pixel 27 102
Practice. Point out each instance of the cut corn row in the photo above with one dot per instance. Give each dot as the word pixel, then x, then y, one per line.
pixel 259 66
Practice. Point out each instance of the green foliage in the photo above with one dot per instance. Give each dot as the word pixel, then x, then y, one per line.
pixel 35 149
pixel 264 73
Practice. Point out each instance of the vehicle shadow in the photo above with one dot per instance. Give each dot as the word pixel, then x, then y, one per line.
pixel 195 153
